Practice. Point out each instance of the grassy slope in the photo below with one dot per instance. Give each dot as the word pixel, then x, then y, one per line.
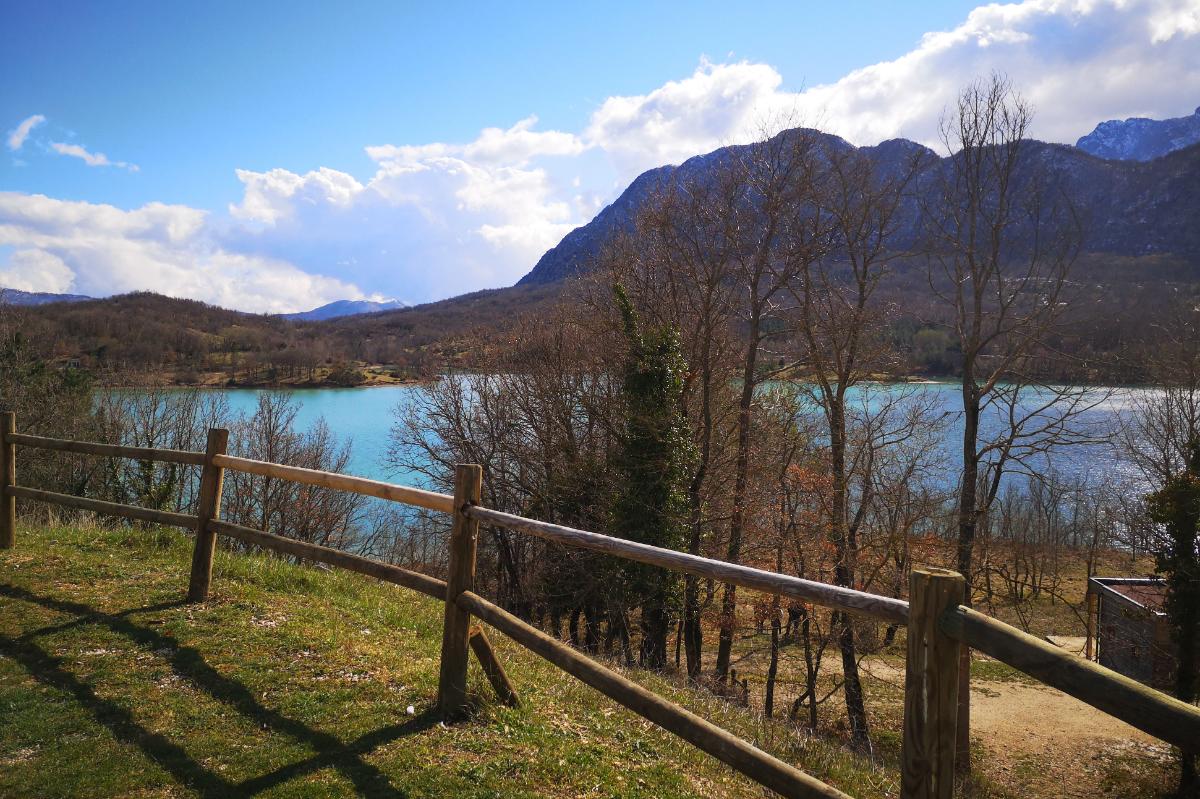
pixel 295 682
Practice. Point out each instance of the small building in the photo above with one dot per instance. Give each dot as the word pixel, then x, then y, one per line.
pixel 1128 630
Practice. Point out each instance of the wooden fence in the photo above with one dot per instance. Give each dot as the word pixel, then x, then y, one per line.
pixel 938 624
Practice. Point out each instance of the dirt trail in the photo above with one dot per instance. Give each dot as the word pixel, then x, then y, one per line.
pixel 1050 743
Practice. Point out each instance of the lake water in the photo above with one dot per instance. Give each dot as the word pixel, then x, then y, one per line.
pixel 365 417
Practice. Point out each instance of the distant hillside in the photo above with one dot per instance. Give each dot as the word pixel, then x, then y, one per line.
pixel 18 297
pixel 340 308
pixel 148 338
pixel 1141 139
pixel 1130 208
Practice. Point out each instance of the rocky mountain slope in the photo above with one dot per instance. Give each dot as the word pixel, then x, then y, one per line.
pixel 1141 139
pixel 1128 207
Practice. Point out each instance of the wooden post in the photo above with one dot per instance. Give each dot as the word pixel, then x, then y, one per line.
pixel 1093 609
pixel 496 675
pixel 208 508
pixel 8 478
pixel 452 684
pixel 930 687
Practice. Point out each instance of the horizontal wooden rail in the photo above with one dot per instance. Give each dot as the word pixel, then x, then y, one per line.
pixel 728 748
pixel 1151 711
pixel 847 599
pixel 99 506
pixel 421 583
pixel 419 497
pixel 111 450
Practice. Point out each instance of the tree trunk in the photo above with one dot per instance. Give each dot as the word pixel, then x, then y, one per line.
pixel 968 519
pixel 741 480
pixel 856 710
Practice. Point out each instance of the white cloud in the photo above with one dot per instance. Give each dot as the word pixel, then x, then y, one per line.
pixel 89 158
pixel 433 220
pixel 99 250
pixel 1078 61
pixel 717 104
pixel 36 270
pixel 18 135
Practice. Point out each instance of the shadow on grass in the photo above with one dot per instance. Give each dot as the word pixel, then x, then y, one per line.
pixel 187 662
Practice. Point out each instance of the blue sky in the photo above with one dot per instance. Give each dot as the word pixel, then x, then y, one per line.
pixel 190 91
pixel 271 156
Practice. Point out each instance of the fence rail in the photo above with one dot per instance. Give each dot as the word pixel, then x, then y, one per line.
pixel 938 624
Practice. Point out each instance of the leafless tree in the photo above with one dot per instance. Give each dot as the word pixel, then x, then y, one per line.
pixel 841 330
pixel 1002 240
pixel 777 231
pixel 317 515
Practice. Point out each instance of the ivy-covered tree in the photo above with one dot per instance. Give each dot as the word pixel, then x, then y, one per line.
pixel 1176 509
pixel 653 458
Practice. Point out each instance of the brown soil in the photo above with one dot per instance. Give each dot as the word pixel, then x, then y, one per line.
pixel 1045 743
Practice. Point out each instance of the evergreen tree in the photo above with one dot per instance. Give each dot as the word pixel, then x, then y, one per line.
pixel 1176 508
pixel 655 449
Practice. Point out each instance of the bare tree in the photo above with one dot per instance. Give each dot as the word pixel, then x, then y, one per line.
pixel 1002 242
pixel 317 515
pixel 776 232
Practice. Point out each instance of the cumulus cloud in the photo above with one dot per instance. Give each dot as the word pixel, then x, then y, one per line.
pixel 433 220
pixel 36 270
pixel 18 135
pixel 717 104
pixel 99 249
pixel 89 158
pixel 1078 61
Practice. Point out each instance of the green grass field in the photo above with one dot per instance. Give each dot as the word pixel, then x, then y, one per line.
pixel 297 682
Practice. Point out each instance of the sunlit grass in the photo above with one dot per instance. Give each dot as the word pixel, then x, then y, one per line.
pixel 295 681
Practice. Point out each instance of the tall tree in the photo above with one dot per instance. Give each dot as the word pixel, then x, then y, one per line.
pixel 1176 508
pixel 841 326
pixel 653 459
pixel 1163 438
pixel 1002 242
pixel 676 267
pixel 775 230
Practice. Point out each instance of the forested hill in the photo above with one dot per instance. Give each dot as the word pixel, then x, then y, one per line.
pixel 143 338
pixel 1129 207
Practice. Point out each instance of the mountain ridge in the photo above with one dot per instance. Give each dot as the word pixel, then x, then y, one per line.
pixel 19 297
pixel 339 308
pixel 1141 138
pixel 1132 207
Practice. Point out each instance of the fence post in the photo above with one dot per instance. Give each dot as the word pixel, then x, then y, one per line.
pixel 930 687
pixel 452 683
pixel 208 507
pixel 1093 608
pixel 8 478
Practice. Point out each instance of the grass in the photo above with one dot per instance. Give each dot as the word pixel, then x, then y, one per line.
pixel 297 682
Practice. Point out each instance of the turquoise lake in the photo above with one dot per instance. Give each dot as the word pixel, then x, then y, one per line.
pixel 365 417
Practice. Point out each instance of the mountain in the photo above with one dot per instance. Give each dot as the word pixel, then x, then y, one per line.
pixel 340 308
pixel 18 297
pixel 1129 207
pixel 1141 139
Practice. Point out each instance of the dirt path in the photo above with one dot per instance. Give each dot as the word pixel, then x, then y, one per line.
pixel 1050 744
